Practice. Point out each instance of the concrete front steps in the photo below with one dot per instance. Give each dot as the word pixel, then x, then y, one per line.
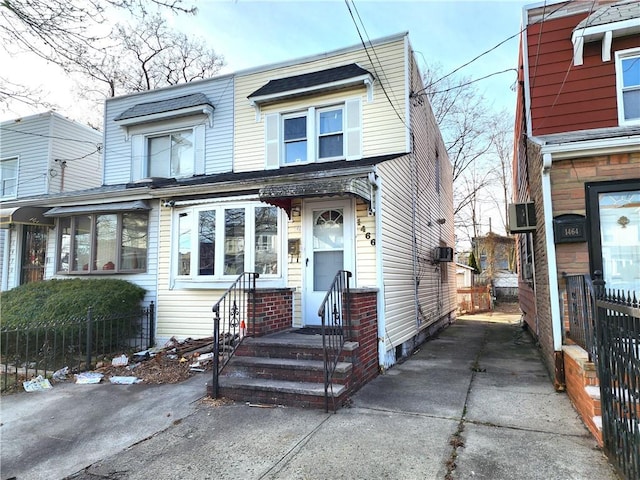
pixel 285 368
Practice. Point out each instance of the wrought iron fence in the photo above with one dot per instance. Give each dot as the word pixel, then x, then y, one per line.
pixel 618 364
pixel 233 317
pixel 42 349
pixel 335 314
pixel 581 312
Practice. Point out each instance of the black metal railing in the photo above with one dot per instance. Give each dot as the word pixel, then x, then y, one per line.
pixel 581 311
pixel 335 315
pixel 233 318
pixel 618 366
pixel 42 349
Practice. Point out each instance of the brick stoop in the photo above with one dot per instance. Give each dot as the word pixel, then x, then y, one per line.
pixel 582 388
pixel 285 368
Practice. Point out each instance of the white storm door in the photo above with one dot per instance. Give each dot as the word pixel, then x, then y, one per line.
pixel 329 246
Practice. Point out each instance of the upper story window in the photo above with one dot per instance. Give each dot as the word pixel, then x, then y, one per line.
pixel 171 155
pixel 628 86
pixel 314 134
pixel 101 243
pixel 9 178
pixel 223 241
pixel 330 133
pixel 295 139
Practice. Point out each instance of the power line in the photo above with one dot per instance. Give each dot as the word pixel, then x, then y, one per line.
pixel 48 136
pixel 475 80
pixel 384 90
pixel 493 48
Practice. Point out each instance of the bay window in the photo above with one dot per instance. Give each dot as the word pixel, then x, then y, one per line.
pixel 225 240
pixel 103 243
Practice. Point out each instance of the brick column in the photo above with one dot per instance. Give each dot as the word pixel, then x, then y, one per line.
pixel 273 310
pixel 364 330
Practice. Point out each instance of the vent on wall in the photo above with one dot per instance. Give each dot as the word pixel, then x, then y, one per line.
pixel 522 217
pixel 443 254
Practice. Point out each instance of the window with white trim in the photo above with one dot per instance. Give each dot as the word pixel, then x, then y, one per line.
pixel 171 155
pixel 103 243
pixel 316 134
pixel 9 178
pixel 222 241
pixel 628 86
pixel 174 151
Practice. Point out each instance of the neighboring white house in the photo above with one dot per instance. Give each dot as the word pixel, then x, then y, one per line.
pixel 40 155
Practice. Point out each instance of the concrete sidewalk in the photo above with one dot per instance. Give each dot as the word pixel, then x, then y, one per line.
pixel 473 403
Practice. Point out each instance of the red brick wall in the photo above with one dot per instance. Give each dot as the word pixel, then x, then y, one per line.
pixel 364 330
pixel 273 311
pixel 579 373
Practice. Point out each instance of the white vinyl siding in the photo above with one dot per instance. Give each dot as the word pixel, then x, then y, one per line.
pixel 382 130
pixel 124 155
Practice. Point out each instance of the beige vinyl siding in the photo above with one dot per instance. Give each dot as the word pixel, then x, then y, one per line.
pixel 397 251
pixel 294 266
pixel 414 196
pixel 181 313
pixel 365 274
pixel 434 201
pixel 383 132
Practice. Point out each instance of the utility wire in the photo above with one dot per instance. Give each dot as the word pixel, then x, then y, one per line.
pixel 492 48
pixel 47 136
pixel 373 65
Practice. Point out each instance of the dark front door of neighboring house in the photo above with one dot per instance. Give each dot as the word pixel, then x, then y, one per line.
pixel 34 247
pixel 613 213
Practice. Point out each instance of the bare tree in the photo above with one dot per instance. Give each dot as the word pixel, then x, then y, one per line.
pixel 464 116
pixel 501 129
pixel 78 36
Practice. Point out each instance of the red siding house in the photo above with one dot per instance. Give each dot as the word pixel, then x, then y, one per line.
pixel 576 170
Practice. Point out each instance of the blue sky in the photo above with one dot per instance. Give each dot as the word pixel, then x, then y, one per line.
pixel 255 33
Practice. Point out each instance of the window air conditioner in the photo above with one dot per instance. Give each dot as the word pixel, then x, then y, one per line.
pixel 443 254
pixel 522 217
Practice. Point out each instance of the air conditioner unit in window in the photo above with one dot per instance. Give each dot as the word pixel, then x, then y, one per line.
pixel 522 217
pixel 443 254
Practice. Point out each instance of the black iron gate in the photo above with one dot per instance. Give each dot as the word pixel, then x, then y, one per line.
pixel 618 365
pixel 607 325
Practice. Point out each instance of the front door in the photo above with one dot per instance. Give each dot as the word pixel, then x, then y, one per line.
pixel 328 248
pixel 613 209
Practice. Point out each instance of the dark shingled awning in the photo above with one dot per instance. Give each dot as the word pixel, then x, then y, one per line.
pixel 23 216
pixel 164 106
pixel 309 80
pixel 281 194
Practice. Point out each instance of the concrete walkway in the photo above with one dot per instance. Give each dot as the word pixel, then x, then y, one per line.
pixel 473 403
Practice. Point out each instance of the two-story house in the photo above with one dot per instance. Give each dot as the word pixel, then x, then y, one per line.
pixel 576 163
pixel 43 154
pixel 293 171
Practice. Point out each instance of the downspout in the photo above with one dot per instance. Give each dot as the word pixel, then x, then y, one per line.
pixel 382 318
pixel 556 321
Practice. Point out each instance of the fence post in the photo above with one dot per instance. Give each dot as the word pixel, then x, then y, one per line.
pixel 152 325
pixel 89 339
pixel 216 353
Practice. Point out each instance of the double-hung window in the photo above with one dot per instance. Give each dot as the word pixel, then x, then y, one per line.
pixel 315 134
pixel 103 243
pixel 221 241
pixel 8 178
pixel 330 133
pixel 295 138
pixel 171 155
pixel 628 86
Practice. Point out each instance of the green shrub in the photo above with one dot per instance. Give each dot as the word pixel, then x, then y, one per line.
pixel 54 300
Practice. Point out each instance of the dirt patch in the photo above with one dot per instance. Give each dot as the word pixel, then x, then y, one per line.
pixel 159 369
